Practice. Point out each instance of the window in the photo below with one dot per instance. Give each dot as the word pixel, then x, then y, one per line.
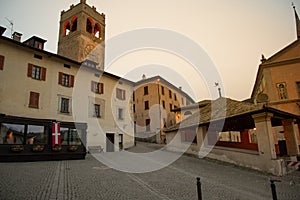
pixel 230 136
pixel 182 101
pixel 145 90
pixel 133 96
pixel 89 25
pixel 12 133
pixel 175 97
pixel 36 72
pixel 163 104
pixel 97 110
pixel 253 136
pixel 120 94
pixel 38 56
pixel 36 135
pixel 96 107
pixel 97 87
pixel 133 107
pixel 34 100
pixel 97 30
pixel 186 113
pixel 38 45
pixel 74 23
pixel 1 62
pixel 70 136
pixel 97 75
pixel 66 28
pixel 146 105
pixel 67 66
pixel 170 94
pixel 170 106
pixel 120 113
pixel 282 92
pixel 298 88
pixel 65 79
pixel 162 90
pixel 147 124
pixel 64 105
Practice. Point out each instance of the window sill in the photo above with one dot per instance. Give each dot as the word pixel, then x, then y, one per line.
pixel 31 106
pixel 65 113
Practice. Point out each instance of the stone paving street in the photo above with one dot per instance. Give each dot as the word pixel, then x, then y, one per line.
pixel 90 179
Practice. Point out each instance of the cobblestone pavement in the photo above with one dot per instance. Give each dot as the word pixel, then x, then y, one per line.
pixel 90 179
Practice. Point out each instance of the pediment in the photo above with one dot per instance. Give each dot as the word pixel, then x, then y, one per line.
pixel 290 52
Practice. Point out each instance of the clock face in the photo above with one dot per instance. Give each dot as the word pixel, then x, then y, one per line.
pixel 88 49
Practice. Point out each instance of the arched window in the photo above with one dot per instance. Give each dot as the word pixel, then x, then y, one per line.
pixel 74 24
pixel 89 25
pixel 67 28
pixel 187 113
pixel 97 30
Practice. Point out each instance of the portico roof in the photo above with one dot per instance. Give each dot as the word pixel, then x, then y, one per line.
pixel 225 108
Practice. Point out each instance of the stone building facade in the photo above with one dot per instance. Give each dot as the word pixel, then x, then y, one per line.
pixel 153 104
pixel 82 34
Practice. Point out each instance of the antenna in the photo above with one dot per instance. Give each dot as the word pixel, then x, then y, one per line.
pixel 11 24
pixel 219 89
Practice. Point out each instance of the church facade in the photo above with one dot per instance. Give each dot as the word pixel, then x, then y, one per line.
pixel 278 78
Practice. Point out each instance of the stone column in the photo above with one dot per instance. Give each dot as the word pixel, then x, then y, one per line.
pixel 265 138
pixel 201 133
pixel 290 134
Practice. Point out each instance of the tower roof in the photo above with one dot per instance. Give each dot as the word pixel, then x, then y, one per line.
pixel 297 22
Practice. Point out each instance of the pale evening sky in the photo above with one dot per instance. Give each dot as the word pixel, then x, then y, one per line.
pixel 233 33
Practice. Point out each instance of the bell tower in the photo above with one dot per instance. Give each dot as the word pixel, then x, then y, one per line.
pixel 82 34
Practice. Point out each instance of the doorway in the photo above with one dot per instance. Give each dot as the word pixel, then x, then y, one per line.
pixel 110 142
pixel 120 142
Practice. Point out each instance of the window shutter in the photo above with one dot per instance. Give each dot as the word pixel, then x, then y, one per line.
pixel 101 88
pixel 43 74
pixel 29 71
pixel 124 94
pixel 117 93
pixel 71 81
pixel 93 86
pixel 31 99
pixel 1 62
pixel 60 78
pixel 34 100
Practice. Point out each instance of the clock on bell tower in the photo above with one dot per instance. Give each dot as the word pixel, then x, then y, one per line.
pixel 82 34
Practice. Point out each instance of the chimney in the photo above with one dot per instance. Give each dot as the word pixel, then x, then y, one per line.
pixel 143 77
pixel 180 88
pixel 17 36
pixel 2 30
